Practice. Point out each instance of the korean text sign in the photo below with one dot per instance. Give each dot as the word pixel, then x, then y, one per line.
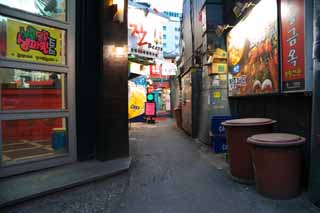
pixel 31 42
pixel 150 109
pixel 292 23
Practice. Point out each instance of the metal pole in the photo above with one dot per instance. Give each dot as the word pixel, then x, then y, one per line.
pixel 314 178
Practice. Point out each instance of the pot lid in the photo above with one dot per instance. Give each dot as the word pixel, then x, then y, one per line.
pixel 248 122
pixel 276 139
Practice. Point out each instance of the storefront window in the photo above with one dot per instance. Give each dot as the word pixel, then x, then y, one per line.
pixel 35 138
pixel 31 90
pixel 20 40
pixel 55 9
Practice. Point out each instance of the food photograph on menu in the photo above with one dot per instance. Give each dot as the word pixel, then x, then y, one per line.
pixel 253 52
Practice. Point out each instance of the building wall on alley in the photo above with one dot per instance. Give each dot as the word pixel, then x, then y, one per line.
pixel 187 36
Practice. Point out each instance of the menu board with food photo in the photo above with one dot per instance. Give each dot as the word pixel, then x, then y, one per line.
pixel 252 47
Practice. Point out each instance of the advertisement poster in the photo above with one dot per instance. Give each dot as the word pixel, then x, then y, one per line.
pixel 137 91
pixel 292 25
pixel 253 52
pixel 145 32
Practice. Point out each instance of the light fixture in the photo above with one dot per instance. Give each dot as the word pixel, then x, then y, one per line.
pixel 240 7
pixel 117 7
pixel 221 28
pixel 114 51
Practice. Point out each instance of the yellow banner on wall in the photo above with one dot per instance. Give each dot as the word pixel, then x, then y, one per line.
pixel 137 100
pixel 35 43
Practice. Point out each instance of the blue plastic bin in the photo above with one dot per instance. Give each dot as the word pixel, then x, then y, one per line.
pixel 58 139
pixel 216 127
pixel 219 144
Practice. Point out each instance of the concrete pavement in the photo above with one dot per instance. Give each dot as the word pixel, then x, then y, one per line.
pixel 170 173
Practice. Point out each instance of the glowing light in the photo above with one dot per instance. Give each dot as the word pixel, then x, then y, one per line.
pixel 253 27
pixel 120 52
pixel 113 51
pixel 118 16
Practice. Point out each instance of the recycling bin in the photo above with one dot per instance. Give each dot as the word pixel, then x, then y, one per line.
pixel 237 132
pixel 277 160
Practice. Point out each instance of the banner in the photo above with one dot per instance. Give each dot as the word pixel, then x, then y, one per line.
pixel 292 24
pixel 30 42
pixel 253 52
pixel 137 96
pixel 145 33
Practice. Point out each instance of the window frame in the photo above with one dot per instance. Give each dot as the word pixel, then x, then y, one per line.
pixel 68 69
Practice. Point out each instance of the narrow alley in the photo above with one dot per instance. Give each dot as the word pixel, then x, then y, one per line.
pixel 170 173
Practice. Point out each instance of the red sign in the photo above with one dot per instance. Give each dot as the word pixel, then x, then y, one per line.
pixel 164 84
pixel 150 89
pixel 155 71
pixel 292 24
pixel 150 109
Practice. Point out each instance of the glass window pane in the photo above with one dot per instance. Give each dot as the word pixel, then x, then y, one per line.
pixel 25 41
pixel 35 138
pixel 31 90
pixel 55 9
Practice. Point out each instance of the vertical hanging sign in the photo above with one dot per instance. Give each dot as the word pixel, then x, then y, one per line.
pixel 292 30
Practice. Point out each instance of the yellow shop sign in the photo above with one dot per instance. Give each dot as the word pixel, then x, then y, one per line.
pixel 35 43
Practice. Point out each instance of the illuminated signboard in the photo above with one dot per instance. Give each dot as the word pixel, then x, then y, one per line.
pixel 145 33
pixel 150 109
pixel 253 52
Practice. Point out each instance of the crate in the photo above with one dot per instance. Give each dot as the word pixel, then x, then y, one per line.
pixel 219 144
pixel 216 127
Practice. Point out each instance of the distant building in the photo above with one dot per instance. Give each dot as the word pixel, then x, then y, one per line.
pixel 172 35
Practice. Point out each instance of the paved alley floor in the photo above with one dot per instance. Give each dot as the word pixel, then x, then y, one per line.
pixel 170 173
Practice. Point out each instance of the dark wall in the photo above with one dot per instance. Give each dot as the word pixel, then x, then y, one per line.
pixel 113 136
pixel 187 36
pixel 293 114
pixel 101 84
pixel 88 54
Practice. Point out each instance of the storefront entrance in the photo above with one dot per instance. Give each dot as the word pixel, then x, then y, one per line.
pixel 37 104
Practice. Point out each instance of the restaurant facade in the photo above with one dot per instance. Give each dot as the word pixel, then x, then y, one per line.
pixel 59 64
pixel 254 66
